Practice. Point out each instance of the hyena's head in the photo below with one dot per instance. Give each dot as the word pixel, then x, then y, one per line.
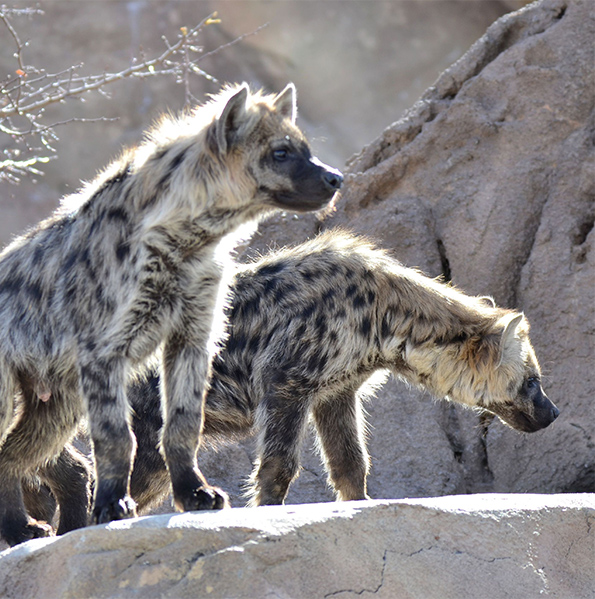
pixel 265 154
pixel 505 375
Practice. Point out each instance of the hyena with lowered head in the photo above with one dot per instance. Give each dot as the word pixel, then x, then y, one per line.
pixel 308 327
pixel 125 272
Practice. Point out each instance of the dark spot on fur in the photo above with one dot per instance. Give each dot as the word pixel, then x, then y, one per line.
pixel 11 286
pixel 38 255
pixel 365 327
pixel 270 285
pixel 122 250
pixel 69 262
pixel 283 291
pixel 311 275
pixel 35 292
pixel 359 301
pixel 236 343
pixel 328 296
pixel 117 214
pixel 316 363
pixel 309 310
pixel 254 345
pixel 171 169
pixel 250 307
pixel 351 290
pixel 272 269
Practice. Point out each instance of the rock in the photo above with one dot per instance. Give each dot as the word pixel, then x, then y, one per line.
pixel 388 52
pixel 488 181
pixel 501 546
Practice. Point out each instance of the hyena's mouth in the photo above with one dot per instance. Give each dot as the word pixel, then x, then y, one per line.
pixel 524 422
pixel 298 202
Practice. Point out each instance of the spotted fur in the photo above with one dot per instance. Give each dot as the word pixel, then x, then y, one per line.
pixel 124 273
pixel 309 328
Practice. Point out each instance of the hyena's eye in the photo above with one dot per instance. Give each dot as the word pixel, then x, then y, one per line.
pixel 280 154
pixel 532 382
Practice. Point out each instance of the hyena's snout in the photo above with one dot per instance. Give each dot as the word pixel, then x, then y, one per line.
pixel 315 185
pixel 545 411
pixel 528 418
pixel 332 179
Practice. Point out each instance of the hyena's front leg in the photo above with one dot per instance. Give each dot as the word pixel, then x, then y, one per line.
pixel 340 424
pixel 185 369
pixel 282 421
pixel 104 387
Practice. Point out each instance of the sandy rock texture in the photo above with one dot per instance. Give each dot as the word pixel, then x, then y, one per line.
pixel 488 181
pixel 501 546
pixel 357 66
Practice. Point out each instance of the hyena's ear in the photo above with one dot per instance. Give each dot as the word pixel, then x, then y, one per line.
pixel 231 119
pixel 286 104
pixel 507 340
pixel 488 300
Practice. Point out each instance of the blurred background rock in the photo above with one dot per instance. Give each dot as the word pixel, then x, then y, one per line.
pixel 357 65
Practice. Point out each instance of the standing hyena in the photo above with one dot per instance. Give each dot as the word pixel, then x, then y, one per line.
pixel 308 327
pixel 124 271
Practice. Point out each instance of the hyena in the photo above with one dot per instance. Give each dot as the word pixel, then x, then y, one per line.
pixel 125 272
pixel 308 327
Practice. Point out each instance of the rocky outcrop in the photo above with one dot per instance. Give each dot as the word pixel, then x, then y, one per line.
pixel 501 546
pixel 488 181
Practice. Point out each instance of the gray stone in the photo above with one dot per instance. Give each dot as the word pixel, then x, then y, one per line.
pixel 489 181
pixel 497 546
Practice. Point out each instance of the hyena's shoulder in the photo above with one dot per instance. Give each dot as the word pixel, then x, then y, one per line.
pixel 310 310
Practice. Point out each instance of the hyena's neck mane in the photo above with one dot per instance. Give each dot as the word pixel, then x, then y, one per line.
pixel 433 333
pixel 176 174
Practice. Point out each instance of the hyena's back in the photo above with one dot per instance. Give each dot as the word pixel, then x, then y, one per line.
pixel 308 327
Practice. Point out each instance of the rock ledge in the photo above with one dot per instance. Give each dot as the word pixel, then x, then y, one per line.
pixel 456 546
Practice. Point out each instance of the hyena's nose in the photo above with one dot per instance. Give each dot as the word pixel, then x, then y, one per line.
pixel 332 179
pixel 555 413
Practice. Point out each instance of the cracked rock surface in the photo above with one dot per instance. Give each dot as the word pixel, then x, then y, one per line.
pixel 501 546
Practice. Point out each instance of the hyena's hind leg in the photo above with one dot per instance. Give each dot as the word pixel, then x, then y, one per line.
pixel 39 501
pixel 8 390
pixel 149 482
pixel 69 478
pixel 340 425
pixel 42 430
pixel 282 420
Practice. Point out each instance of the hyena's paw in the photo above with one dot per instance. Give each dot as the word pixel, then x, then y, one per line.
pixel 15 532
pixel 117 509
pixel 202 498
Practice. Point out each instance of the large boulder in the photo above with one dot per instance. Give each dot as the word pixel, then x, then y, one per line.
pixel 501 546
pixel 488 181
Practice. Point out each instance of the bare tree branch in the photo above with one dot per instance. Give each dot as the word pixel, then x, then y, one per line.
pixel 26 94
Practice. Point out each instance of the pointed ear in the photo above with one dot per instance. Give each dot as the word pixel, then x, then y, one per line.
pixel 231 118
pixel 507 339
pixel 285 103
